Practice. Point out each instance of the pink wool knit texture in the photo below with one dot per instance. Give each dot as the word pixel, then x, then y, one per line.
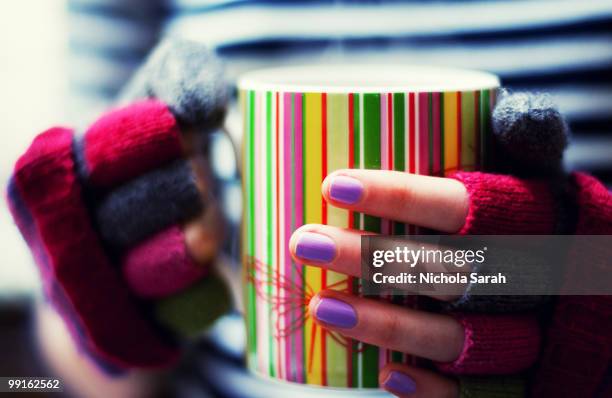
pixel 501 204
pixel 78 277
pixel 496 345
pixel 577 346
pixel 129 141
pixel 577 356
pixel 161 265
pixel 507 205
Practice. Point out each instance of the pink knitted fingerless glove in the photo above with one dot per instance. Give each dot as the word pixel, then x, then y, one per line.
pixel 496 344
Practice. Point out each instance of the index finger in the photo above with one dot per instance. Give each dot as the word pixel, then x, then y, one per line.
pixel 432 202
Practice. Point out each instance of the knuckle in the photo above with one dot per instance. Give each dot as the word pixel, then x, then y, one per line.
pixel 390 332
pixel 405 197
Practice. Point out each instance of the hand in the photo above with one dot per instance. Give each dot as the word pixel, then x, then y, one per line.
pixel 452 341
pixel 122 218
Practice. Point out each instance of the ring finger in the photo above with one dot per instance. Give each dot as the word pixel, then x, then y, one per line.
pixel 427 335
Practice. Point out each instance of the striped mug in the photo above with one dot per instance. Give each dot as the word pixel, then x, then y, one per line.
pixel 301 123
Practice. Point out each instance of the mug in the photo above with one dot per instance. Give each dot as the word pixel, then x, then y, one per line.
pixel 300 124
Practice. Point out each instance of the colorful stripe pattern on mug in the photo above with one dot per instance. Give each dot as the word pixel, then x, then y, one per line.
pixel 291 142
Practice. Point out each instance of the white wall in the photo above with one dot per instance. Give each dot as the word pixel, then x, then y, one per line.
pixel 32 97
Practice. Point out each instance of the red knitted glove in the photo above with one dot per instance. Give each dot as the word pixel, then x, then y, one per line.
pixel 507 205
pixel 81 277
pixel 577 356
pixel 500 344
pixel 578 346
pixel 496 344
pixel 107 217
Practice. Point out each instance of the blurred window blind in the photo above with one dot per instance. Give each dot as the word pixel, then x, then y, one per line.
pixel 563 47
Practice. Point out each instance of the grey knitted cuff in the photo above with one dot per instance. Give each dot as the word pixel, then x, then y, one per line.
pixel 497 304
pixel 482 298
pixel 492 387
pixel 529 135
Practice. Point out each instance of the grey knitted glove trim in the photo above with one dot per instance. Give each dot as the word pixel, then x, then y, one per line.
pixel 475 300
pixel 529 135
pixel 492 387
pixel 497 304
pixel 148 204
pixel 187 77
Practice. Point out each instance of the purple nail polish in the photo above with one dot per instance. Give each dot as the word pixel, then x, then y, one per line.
pixel 315 247
pixel 336 313
pixel 345 189
pixel 399 382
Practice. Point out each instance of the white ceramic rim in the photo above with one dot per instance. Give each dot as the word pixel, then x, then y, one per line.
pixel 366 79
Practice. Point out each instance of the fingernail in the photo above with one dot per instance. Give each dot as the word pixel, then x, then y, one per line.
pixel 336 313
pixel 399 382
pixel 316 247
pixel 345 189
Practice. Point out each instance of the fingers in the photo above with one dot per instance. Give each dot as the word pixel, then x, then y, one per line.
pixel 203 235
pixel 173 259
pixel 432 336
pixel 331 248
pixel 410 382
pixel 148 204
pixel 161 265
pixel 132 140
pixel 127 142
pixel 339 250
pixel 148 198
pixel 79 277
pixel 134 159
pixel 190 311
pixel 59 181
pixel 406 381
pixel 432 202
